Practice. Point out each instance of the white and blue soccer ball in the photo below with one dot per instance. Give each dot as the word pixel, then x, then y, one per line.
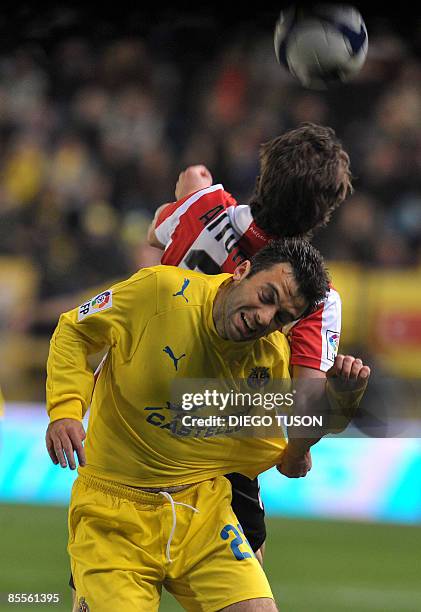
pixel 322 45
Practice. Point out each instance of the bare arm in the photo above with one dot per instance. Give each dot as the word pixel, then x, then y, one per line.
pixel 346 371
pixel 296 459
pixel 151 236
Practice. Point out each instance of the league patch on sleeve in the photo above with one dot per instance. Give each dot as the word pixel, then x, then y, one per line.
pixel 332 344
pixel 102 301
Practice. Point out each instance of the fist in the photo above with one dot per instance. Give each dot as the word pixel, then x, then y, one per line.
pixel 348 367
pixel 294 465
pixel 192 179
pixel 347 380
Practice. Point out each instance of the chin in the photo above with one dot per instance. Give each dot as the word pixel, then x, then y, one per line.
pixel 233 334
pixel 237 336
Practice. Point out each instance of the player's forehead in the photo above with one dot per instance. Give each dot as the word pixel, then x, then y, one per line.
pixel 279 274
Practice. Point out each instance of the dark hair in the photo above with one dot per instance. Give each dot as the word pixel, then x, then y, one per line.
pixel 307 263
pixel 304 176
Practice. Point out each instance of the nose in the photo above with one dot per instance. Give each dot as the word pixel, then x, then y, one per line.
pixel 266 315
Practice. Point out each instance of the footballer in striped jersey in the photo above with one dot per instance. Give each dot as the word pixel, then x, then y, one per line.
pixel 209 232
pixel 304 176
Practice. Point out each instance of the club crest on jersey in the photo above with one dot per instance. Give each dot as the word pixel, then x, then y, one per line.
pixel 83 606
pixel 332 344
pixel 100 302
pixel 258 377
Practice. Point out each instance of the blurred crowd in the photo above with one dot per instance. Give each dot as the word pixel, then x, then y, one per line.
pixel 93 137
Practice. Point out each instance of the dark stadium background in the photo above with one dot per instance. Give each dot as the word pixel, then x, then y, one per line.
pixel 75 202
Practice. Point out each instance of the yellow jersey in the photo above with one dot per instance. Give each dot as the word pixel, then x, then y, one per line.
pixel 159 326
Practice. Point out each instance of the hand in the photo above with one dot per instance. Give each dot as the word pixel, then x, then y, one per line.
pixel 348 373
pixel 63 438
pixel 192 179
pixel 294 465
pixel 347 367
pixel 346 383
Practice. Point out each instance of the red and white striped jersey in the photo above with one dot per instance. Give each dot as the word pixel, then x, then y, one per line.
pixel 210 232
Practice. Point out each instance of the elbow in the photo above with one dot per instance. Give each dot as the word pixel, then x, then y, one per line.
pixel 152 240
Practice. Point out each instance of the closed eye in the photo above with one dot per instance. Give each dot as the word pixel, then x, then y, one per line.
pixel 267 298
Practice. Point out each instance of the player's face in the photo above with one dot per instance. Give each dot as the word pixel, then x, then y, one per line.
pixel 259 305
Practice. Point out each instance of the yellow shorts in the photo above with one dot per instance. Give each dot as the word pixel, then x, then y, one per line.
pixel 121 541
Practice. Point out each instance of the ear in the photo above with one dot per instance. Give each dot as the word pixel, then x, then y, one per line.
pixel 242 270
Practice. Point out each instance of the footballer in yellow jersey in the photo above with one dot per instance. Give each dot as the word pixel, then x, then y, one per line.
pixel 159 325
pixel 151 508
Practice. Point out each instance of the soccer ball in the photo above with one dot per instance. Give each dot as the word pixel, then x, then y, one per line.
pixel 321 45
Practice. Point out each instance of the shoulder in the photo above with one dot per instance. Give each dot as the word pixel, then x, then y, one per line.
pixel 205 205
pixel 137 280
pixel 332 297
pixel 178 287
pixel 331 305
pixel 194 202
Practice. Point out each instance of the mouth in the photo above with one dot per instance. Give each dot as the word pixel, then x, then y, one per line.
pixel 247 325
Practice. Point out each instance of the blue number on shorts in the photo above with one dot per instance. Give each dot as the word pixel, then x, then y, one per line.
pixel 236 543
